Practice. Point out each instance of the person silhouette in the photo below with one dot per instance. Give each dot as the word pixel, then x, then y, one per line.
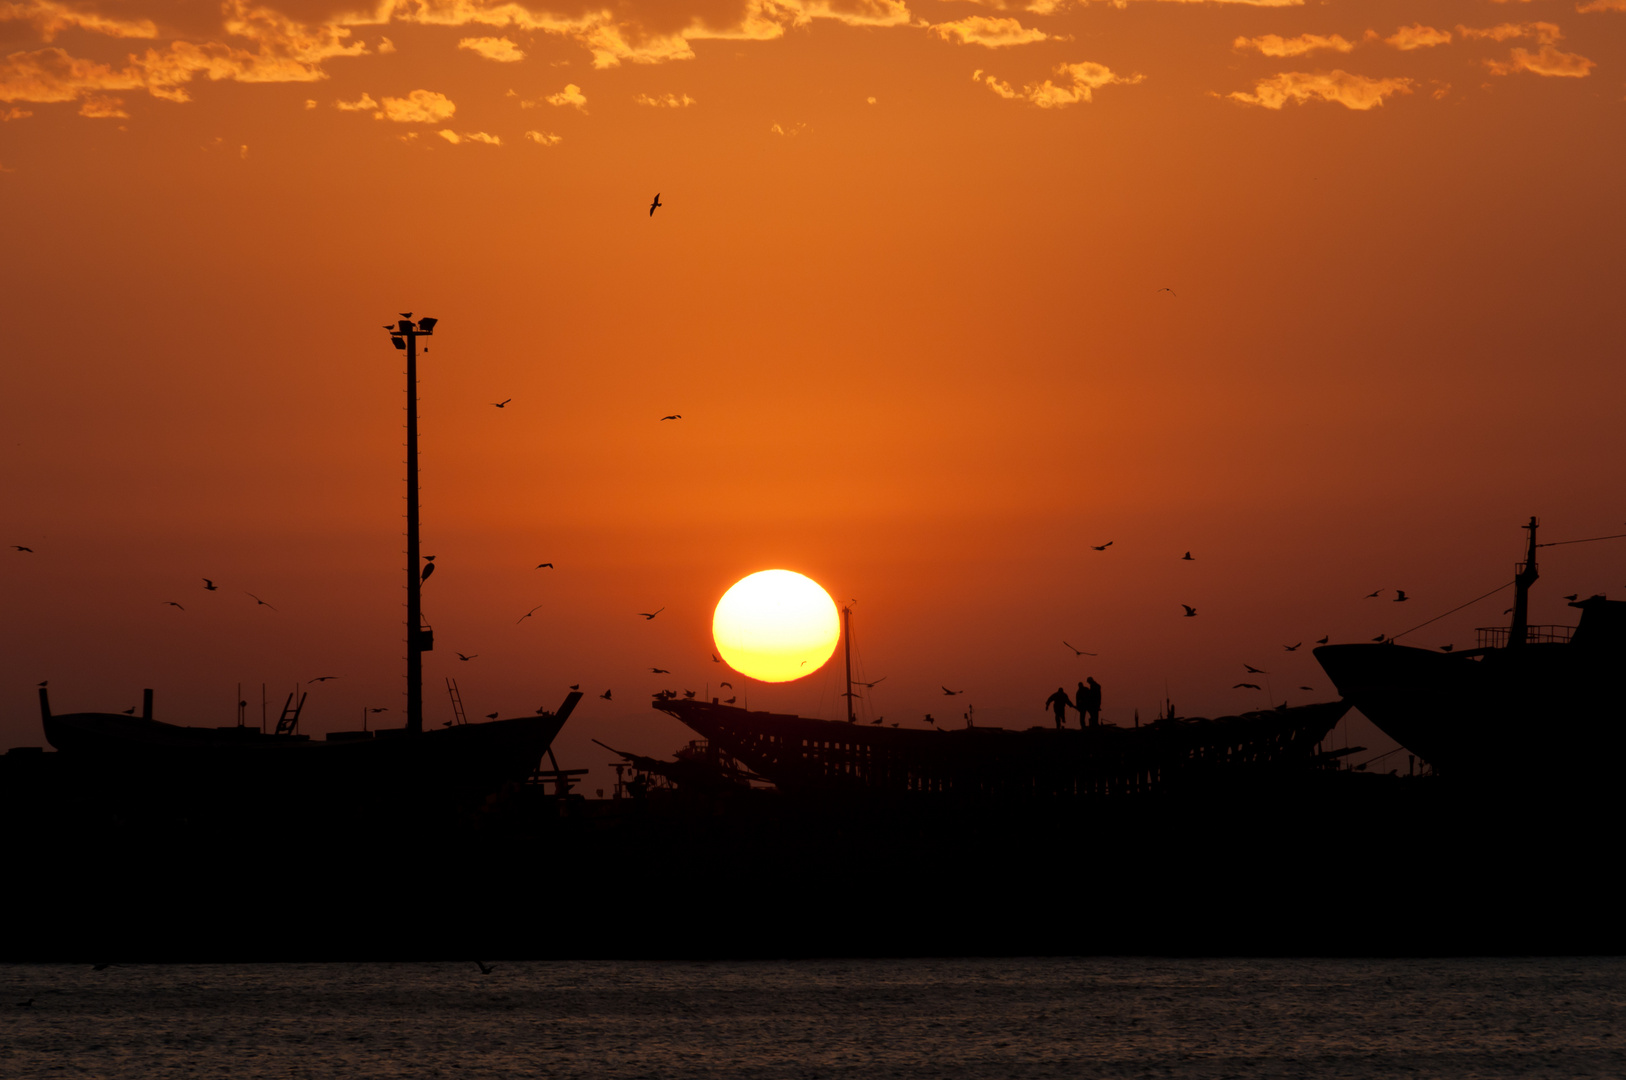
pixel 1058 701
pixel 1081 698
pixel 1089 701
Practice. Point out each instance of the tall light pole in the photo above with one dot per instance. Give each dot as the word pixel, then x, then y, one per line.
pixel 404 335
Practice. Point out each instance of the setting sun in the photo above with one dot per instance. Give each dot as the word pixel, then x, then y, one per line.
pixel 776 625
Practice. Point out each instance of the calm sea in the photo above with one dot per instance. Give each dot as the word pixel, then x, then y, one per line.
pixel 870 1018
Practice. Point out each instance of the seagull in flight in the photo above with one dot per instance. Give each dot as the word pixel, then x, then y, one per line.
pixel 1400 596
pixel 656 205
pixel 659 671
pixel 716 659
pixel 1247 686
pixel 209 585
pixel 1078 652
pixel 1191 612
pixel 1292 648
pixel 19 547
pixel 651 614
pixel 173 604
pixel 541 565
pixel 504 401
pixel 727 684
pixel 1374 595
pixel 257 600
pixel 1255 670
pixel 485 968
pixel 674 416
pixel 1309 688
pixel 871 685
pixel 378 710
pixel 605 695
pixel 1101 547
pixel 1168 290
pixel 324 678
pixel 528 614
pixel 1187 557
pixel 460 656
pixel 951 693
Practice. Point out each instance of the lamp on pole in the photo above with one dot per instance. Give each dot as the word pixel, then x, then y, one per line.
pixel 404 335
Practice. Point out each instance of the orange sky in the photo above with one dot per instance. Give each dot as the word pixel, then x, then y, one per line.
pixel 904 291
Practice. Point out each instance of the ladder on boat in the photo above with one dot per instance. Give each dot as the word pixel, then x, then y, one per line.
pixel 459 716
pixel 288 722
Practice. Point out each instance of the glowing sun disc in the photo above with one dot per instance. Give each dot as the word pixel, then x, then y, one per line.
pixel 776 625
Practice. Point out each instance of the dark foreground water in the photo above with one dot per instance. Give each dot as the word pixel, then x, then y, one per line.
pixel 871 1018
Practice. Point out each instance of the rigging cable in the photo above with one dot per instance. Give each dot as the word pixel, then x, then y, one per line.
pixel 1454 610
pixel 1587 540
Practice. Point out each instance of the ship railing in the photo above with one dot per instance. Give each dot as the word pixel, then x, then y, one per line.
pixel 1496 637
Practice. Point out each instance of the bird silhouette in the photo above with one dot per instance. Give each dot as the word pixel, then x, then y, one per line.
pixel 257 600
pixel 45 682
pixel 605 695
pixel 491 716
pixel 1168 290
pixel 1101 547
pixel 378 710
pixel 1187 557
pixel 1247 686
pixel 460 656
pixel 209 585
pixel 674 416
pixel 427 570
pixel 656 205
pixel 1380 637
pixel 928 718
pixel 1191 612
pixel 1292 648
pixel 1322 640
pixel 716 659
pixel 130 711
pixel 1447 648
pixel 324 678
pixel 1309 688
pixel 528 614
pixel 540 565
pixel 689 694
pixel 1077 651
pixel 1255 670
pixel 727 684
pixel 1400 596
pixel 730 701
pixel 877 720
pixel 951 693
pixel 1374 595
pixel 406 314
pixel 1572 597
pixel 30 550
pixel 659 671
pixel 504 401
pixel 873 685
pixel 485 968
pixel 652 614
pixel 173 604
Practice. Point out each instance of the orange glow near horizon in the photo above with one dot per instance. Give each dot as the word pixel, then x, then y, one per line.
pixel 776 626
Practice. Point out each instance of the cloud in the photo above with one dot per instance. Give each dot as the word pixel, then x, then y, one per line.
pixel 544 138
pixel 988 32
pixel 468 136
pixel 665 101
pixel 1602 5
pixel 102 107
pixel 1082 80
pixel 385 46
pixel 242 152
pixel 570 95
pixel 365 103
pixel 780 129
pixel 310 103
pixel 1418 36
pixel 1351 91
pixel 1543 33
pixel 50 19
pixel 14 114
pixel 499 49
pixel 418 107
pixel 450 136
pixel 1548 61
pixel 1276 45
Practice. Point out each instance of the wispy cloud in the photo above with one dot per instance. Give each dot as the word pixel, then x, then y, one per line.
pixel 49 19
pixel 365 103
pixel 1544 33
pixel 1351 91
pixel 1276 45
pixel 468 136
pixel 499 49
pixel 1548 60
pixel 14 114
pixel 103 107
pixel 544 138
pixel 418 107
pixel 1080 83
pixel 1601 5
pixel 1417 36
pixel 570 95
pixel 665 101
pixel 992 33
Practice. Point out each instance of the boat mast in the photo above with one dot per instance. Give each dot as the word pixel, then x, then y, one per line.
pixel 404 335
pixel 847 638
pixel 1524 576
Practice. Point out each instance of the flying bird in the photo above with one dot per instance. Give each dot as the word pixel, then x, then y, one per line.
pixel 1191 612
pixel 656 205
pixel 1400 596
pixel 209 585
pixel 689 694
pixel 19 547
pixel 1309 688
pixel 378 710
pixel 652 614
pixel 1168 290
pixel 674 416
pixel 257 600
pixel 485 968
pixel 504 401
pixel 1374 595
pixel 1101 547
pixel 928 718
pixel 951 693
pixel 1255 670
pixel 548 565
pixel 872 685
pixel 1292 648
pixel 716 659
pixel 1187 557
pixel 1078 652
pixel 528 614
pixel 605 695
pixel 1247 686
pixel 427 570
pixel 324 678
pixel 659 671
pixel 173 604
pixel 460 656
pixel 727 684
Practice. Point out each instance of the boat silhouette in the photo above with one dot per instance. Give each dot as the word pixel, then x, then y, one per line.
pixel 1544 701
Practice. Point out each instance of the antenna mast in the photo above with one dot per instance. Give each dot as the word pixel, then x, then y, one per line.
pixel 847 639
pixel 404 335
pixel 1524 576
